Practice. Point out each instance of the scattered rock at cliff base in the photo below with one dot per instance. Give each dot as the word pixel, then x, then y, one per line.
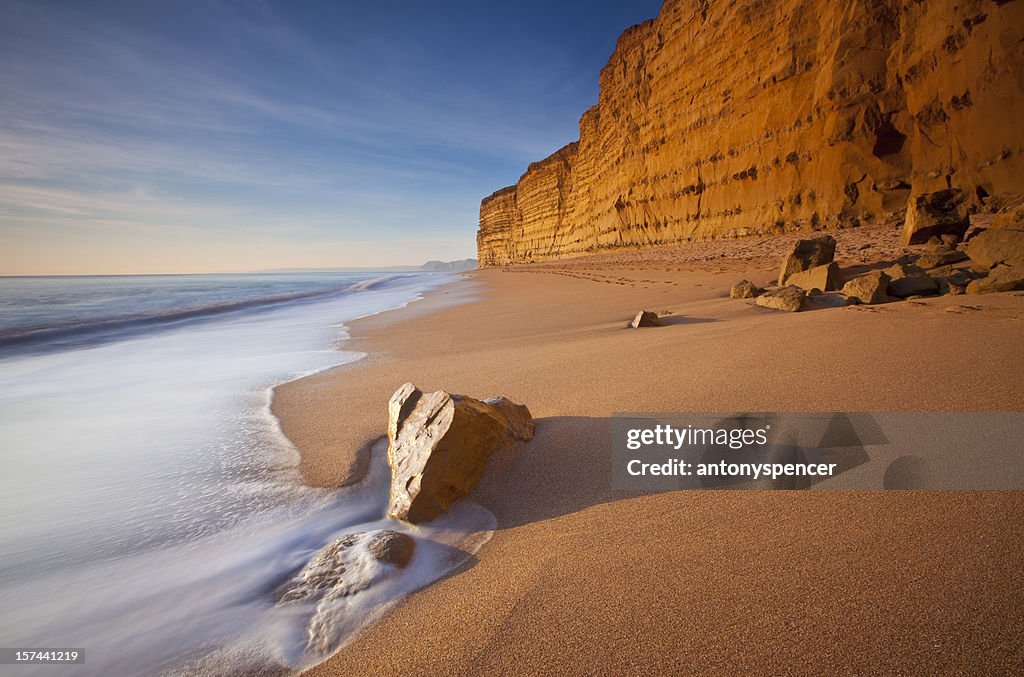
pixel 338 569
pixel 940 257
pixel 744 289
pixel 1000 278
pixel 645 318
pixel 995 246
pixel 870 288
pixel 943 212
pixel 823 278
pixel 806 254
pixel 439 444
pixel 789 298
pixel 908 279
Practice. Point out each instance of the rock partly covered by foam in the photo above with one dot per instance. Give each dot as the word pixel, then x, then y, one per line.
pixel 340 568
pixel 807 254
pixel 439 444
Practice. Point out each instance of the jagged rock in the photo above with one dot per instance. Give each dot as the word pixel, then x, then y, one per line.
pixel 807 254
pixel 744 289
pixel 940 257
pixel 870 288
pixel 943 212
pixel 950 241
pixel 789 298
pixel 823 278
pixel 439 444
pixel 645 318
pixel 994 246
pixel 1000 278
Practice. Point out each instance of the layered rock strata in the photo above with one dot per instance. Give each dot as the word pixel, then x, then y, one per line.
pixel 726 120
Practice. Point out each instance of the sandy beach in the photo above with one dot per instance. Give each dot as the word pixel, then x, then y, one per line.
pixel 581 579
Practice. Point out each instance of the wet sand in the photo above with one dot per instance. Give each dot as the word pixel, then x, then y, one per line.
pixel 581 579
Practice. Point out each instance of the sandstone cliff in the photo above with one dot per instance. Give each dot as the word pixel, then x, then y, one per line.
pixel 727 119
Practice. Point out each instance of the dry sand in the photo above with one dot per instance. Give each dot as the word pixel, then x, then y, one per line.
pixel 580 579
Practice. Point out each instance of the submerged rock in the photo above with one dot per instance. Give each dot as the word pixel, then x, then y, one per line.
pixel 806 254
pixel 439 444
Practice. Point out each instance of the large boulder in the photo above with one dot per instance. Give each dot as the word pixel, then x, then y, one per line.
pixel 935 214
pixel 870 288
pixel 790 298
pixel 824 278
pixel 1000 278
pixel 806 254
pixel 995 246
pixel 744 289
pixel 439 444
pixel 645 318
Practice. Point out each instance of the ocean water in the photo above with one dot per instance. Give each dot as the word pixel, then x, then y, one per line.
pixel 149 505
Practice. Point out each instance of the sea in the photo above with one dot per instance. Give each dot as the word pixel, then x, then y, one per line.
pixel 150 506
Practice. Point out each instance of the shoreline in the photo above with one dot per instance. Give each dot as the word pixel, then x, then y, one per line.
pixel 647 584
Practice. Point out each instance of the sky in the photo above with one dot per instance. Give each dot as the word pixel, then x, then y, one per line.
pixel 158 137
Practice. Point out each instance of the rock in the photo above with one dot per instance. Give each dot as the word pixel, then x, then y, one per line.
pixel 813 291
pixel 942 257
pixel 870 288
pixel 996 246
pixel 392 547
pixel 1000 278
pixel 439 444
pixel 898 271
pixel 789 298
pixel 950 240
pixel 645 318
pixel 913 285
pixel 829 300
pixel 806 254
pixel 824 278
pixel 943 212
pixel 339 568
pixel 744 289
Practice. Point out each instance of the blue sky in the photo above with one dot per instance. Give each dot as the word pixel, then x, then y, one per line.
pixel 228 136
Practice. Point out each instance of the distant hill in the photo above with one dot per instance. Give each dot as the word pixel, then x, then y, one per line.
pixel 449 266
pixel 428 267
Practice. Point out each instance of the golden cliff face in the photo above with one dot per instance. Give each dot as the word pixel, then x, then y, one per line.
pixel 726 119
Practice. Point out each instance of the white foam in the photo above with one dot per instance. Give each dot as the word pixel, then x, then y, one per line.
pixel 150 505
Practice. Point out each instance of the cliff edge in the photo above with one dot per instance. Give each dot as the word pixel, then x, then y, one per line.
pixel 725 120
